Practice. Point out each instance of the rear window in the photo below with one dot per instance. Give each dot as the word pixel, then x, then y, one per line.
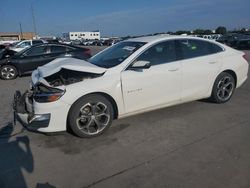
pixel 57 49
pixel 37 42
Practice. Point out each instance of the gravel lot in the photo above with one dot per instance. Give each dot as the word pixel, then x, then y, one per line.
pixel 197 144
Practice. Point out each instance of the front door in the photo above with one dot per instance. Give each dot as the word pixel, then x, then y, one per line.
pixel 33 58
pixel 156 86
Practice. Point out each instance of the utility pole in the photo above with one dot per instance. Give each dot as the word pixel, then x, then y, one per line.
pixel 21 30
pixel 33 18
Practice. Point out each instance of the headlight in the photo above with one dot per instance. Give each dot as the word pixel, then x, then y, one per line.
pixel 44 93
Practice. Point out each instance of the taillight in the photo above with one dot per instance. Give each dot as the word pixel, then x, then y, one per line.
pixel 245 57
pixel 87 52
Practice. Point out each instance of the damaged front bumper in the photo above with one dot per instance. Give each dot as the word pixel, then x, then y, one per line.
pixel 23 111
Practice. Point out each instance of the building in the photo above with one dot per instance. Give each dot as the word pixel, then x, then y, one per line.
pixel 85 35
pixel 12 36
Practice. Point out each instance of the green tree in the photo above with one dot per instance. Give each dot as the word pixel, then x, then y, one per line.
pixel 198 31
pixel 221 30
pixel 208 32
pixel 182 32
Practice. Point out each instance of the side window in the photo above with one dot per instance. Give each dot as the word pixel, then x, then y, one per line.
pixel 57 49
pixel 36 51
pixel 214 48
pixel 160 53
pixel 24 44
pixel 196 48
pixel 37 42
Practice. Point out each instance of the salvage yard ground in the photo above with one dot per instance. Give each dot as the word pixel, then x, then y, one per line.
pixel 198 144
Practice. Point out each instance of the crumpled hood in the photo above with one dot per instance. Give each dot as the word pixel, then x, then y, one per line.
pixel 64 63
pixel 71 64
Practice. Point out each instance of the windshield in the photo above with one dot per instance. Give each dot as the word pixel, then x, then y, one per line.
pixel 22 51
pixel 23 44
pixel 115 54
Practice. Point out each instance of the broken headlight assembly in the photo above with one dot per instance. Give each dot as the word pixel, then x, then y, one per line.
pixel 44 94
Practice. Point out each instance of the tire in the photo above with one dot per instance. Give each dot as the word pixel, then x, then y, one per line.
pixel 90 116
pixel 8 72
pixel 223 88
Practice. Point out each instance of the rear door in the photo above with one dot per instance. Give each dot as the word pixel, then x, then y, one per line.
pixel 57 51
pixel 201 62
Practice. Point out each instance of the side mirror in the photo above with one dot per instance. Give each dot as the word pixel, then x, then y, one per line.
pixel 141 65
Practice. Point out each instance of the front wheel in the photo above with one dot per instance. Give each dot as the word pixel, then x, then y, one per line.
pixel 90 116
pixel 223 88
pixel 8 72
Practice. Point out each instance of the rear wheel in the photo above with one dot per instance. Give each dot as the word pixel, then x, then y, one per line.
pixel 8 72
pixel 90 116
pixel 223 88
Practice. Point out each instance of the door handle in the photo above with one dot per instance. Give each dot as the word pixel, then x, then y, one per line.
pixel 173 69
pixel 212 62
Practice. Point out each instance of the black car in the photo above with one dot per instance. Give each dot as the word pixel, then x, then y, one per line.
pixel 29 59
pixel 6 53
pixel 231 38
pixel 243 44
pixel 97 43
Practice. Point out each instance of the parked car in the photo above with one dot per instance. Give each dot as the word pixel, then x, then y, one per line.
pixel 52 40
pixel 131 77
pixel 216 36
pixel 97 43
pixel 25 44
pixel 8 42
pixel 88 42
pixel 231 38
pixel 108 42
pixel 243 44
pixel 28 60
pixel 76 42
pixel 66 42
pixel 2 46
pixel 6 53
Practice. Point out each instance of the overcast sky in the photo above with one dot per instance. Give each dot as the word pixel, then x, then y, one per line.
pixel 124 17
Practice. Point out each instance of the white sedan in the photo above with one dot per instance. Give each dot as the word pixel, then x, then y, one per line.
pixel 131 77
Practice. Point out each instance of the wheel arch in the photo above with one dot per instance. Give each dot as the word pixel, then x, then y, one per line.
pixel 111 99
pixel 107 96
pixel 16 65
pixel 229 71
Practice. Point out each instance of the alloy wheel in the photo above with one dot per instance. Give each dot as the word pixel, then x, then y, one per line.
pixel 93 118
pixel 225 88
pixel 8 72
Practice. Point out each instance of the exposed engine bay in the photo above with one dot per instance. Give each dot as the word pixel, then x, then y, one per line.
pixel 67 77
